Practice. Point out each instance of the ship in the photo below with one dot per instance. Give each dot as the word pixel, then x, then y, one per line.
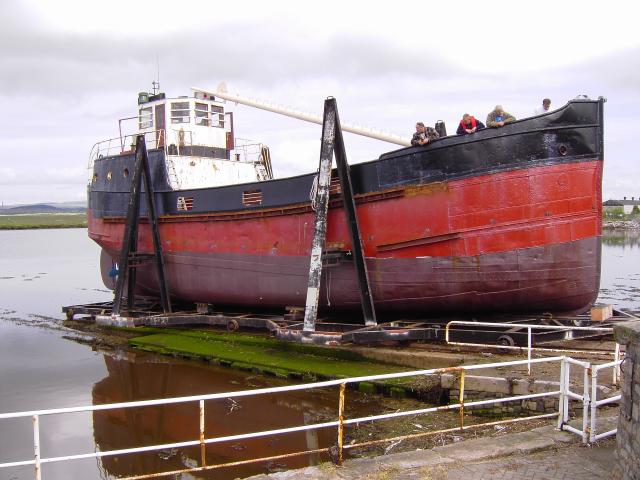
pixel 503 220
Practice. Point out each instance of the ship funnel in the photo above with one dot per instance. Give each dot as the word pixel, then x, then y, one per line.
pixel 221 92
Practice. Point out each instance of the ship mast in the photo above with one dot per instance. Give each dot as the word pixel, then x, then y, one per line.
pixel 221 92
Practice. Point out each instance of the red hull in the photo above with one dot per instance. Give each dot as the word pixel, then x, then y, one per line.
pixel 522 240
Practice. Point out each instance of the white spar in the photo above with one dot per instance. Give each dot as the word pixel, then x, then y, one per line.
pixel 221 92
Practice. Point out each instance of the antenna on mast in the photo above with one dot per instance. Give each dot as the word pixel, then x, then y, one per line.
pixel 156 83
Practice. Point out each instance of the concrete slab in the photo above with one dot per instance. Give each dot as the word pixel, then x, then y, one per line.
pixel 478 449
pixel 556 435
pixel 528 442
pixel 404 460
pixel 466 454
pixel 325 471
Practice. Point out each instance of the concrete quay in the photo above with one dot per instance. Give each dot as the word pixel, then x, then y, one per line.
pixel 543 453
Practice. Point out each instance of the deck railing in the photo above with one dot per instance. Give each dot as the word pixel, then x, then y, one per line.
pixel 564 394
pixel 245 151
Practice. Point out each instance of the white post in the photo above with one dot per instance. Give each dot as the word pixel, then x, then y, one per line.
pixel 563 393
pixel 36 446
pixel 594 405
pixel 529 350
pixel 616 368
pixel 585 403
pixel 567 386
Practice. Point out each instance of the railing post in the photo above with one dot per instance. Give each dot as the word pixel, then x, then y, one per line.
pixel 36 446
pixel 341 422
pixel 529 350
pixel 594 405
pixel 616 368
pixel 461 399
pixel 563 393
pixel 567 386
pixel 586 403
pixel 203 452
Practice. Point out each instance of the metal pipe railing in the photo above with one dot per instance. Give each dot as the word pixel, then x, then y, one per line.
pixel 595 403
pixel 564 393
pixel 529 348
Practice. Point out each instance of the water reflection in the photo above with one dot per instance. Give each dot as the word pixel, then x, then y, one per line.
pixel 621 238
pixel 138 376
pixel 620 278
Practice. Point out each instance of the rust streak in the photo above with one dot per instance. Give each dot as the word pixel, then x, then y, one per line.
pixel 426 189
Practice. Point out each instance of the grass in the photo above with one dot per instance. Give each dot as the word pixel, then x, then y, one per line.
pixel 43 220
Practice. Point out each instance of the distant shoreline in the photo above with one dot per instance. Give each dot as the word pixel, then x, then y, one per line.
pixel 621 225
pixel 40 227
pixel 38 221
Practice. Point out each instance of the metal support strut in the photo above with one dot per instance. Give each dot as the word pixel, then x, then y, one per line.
pixel 332 140
pixel 130 258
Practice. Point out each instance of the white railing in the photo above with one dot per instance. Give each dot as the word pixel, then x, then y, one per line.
pixel 244 151
pixel 511 327
pixel 566 394
pixel 247 151
pixel 595 403
pixel 563 393
pixel 124 144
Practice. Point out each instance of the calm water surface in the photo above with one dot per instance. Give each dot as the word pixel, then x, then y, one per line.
pixel 620 281
pixel 40 270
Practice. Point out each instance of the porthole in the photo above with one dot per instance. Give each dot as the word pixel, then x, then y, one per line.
pixel 109 176
pixel 126 172
pixel 562 150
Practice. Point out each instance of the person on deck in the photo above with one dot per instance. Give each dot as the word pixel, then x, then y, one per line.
pixel 498 117
pixel 544 108
pixel 469 124
pixel 423 135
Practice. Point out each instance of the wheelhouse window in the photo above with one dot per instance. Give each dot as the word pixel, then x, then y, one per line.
pixel 145 118
pixel 180 112
pixel 202 114
pixel 219 121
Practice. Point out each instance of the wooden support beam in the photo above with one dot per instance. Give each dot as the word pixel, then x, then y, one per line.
pixel 129 255
pixel 332 142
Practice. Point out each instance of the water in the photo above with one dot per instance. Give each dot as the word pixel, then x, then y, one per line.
pixel 40 368
pixel 620 280
pixel 41 270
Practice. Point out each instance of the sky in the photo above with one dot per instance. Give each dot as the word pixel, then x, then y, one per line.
pixel 69 70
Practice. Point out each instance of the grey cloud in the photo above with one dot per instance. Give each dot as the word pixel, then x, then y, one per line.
pixel 616 70
pixel 34 58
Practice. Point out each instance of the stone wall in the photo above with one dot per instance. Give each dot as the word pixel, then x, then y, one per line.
pixel 484 388
pixel 628 436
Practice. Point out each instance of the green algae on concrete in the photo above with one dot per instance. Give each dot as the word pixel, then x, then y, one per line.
pixel 262 354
